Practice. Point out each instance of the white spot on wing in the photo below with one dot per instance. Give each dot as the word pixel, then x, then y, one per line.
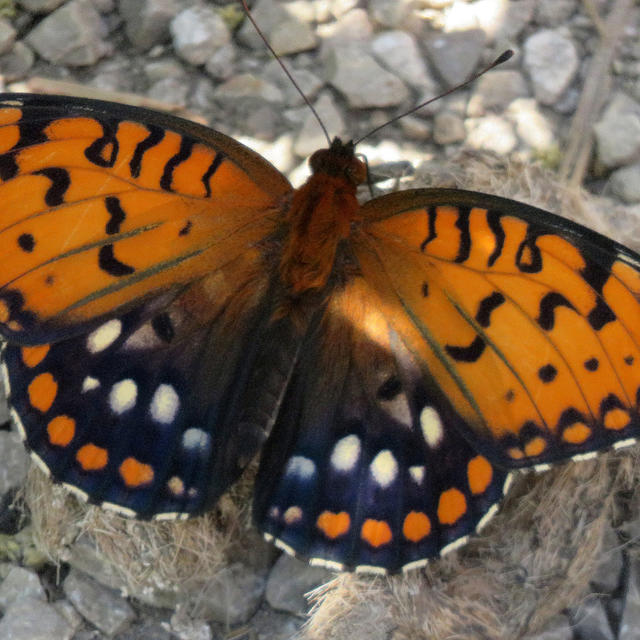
pixel 508 481
pixel 123 395
pixel 580 457
pixel 120 510
pixel 368 568
pixel 346 452
pixel 89 384
pixel 332 565
pixel 384 468
pixel 416 564
pixel 5 379
pixel 431 426
pixel 539 468
pixel 18 422
pixel 78 493
pixel 196 439
pixel 625 443
pixel 417 473
pixel 300 466
pixel 284 546
pixel 164 404
pixel 456 544
pixel 104 336
pixel 40 463
pixel 493 509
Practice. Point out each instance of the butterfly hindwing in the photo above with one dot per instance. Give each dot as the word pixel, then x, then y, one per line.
pixel 530 324
pixel 365 468
pixel 133 200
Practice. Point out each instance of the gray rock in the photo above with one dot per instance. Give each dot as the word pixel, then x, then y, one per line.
pixel 554 12
pixel 292 36
pixel 618 132
pixel 399 52
pixel 625 183
pixel 31 619
pixel 198 32
pixel 630 619
pixel 448 128
pixel 558 628
pixel 352 27
pixel 273 625
pixel 503 20
pixel 533 127
pixel 7 36
pixel 170 90
pixel 72 35
pixel 362 81
pixel 99 605
pixel 309 83
pixel 289 580
pixel 455 55
pixel 268 14
pixel 20 583
pixel 14 461
pixel 415 128
pixel 220 65
pixel 496 90
pixel 148 630
pixel 492 133
pixel 551 60
pixel 16 64
pixel 590 620
pixel 232 597
pixel 66 610
pixel 247 85
pixel 147 21
pixel 390 14
pixel 185 627
pixel 40 6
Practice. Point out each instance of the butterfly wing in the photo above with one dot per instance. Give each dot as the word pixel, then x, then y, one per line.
pixel 136 299
pixel 528 323
pixel 360 470
pixel 105 204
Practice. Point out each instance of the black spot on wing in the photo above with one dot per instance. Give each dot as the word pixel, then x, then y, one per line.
pixel 547 373
pixel 163 327
pixel 390 388
pixel 110 264
pixel 156 134
pixel 186 145
pixel 431 213
pixel 486 307
pixel 213 167
pixel 59 184
pixel 600 315
pixel 470 353
pixel 529 256
pixel 548 305
pixel 591 364
pixel 108 143
pixel 464 246
pixel 26 242
pixel 118 216
pixel 493 220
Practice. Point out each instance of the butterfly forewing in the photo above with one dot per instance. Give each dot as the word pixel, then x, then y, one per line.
pixel 534 319
pixel 132 200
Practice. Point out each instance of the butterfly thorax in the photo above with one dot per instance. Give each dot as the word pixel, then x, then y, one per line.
pixel 320 216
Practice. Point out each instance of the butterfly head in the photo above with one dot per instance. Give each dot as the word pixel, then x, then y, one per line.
pixel 339 161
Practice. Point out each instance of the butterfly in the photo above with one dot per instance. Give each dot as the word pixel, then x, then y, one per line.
pixel 171 306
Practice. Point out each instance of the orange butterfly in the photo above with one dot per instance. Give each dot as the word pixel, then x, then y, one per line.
pixel 171 304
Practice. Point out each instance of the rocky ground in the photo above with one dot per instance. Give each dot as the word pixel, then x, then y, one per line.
pixel 569 99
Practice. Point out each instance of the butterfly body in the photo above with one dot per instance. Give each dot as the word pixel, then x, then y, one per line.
pixel 172 305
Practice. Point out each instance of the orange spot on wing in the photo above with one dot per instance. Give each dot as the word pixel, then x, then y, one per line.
pixel 479 474
pixel 61 430
pixel 515 453
pixel 42 392
pixel 175 485
pixel 65 128
pixel 535 447
pixel 292 515
pixel 452 506
pixel 576 433
pixel 4 311
pixel 332 524
pixel 33 356
pixel 616 419
pixel 416 526
pixel 9 137
pixel 92 458
pixel 9 115
pixel 135 473
pixel 376 532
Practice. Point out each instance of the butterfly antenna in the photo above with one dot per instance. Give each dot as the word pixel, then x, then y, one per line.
pixel 287 72
pixel 503 57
